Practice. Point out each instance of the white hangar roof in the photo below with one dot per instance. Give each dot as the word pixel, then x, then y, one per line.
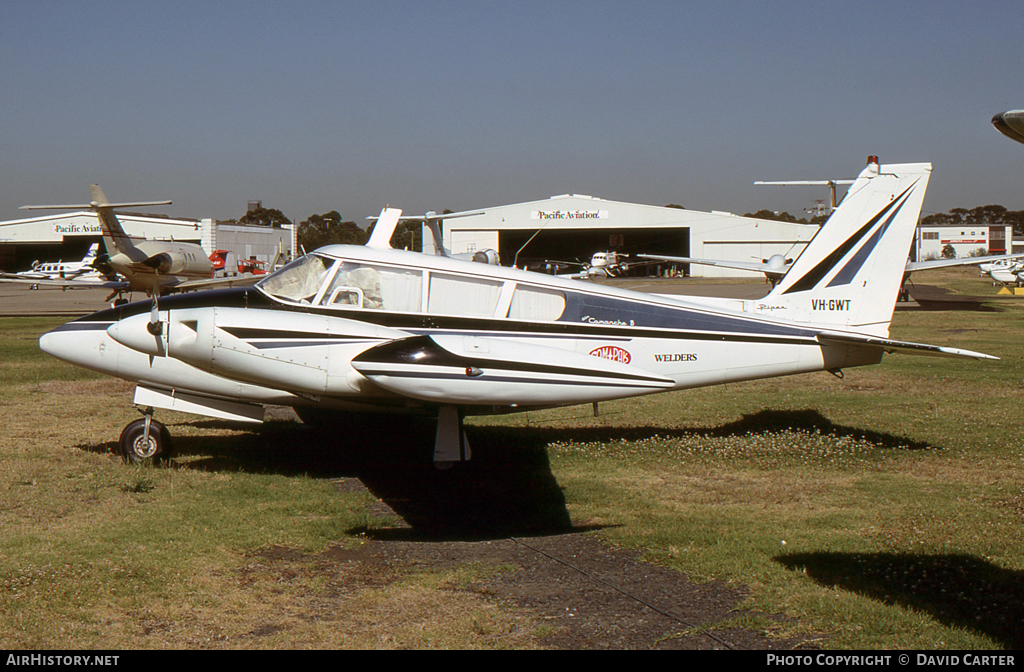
pixel 576 211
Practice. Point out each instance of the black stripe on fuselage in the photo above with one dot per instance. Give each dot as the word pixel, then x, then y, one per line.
pixel 83 326
pixel 630 383
pixel 730 329
pixel 422 351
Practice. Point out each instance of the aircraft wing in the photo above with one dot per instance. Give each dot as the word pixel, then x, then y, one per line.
pixel 67 283
pixel 965 261
pixel 646 262
pixel 124 286
pixel 739 265
pixel 243 280
pixel 890 345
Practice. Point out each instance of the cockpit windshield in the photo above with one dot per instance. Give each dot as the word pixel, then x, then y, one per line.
pixel 299 280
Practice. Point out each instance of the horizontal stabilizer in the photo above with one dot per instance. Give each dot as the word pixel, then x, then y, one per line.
pixel 94 204
pixel 763 267
pixel 890 345
pixel 963 261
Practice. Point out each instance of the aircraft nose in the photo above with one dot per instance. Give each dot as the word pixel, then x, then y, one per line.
pixel 81 343
pixel 53 343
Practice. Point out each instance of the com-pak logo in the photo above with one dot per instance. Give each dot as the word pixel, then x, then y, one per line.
pixel 613 353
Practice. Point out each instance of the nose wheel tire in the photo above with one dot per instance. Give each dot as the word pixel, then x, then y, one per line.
pixel 136 448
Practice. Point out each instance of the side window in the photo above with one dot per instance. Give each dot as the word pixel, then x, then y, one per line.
pixel 536 305
pixel 456 295
pixel 375 288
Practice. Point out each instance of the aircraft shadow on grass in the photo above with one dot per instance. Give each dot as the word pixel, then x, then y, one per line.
pixel 961 591
pixel 930 298
pixel 506 489
pixel 497 494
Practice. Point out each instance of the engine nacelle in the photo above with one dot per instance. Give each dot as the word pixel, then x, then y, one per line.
pixel 301 353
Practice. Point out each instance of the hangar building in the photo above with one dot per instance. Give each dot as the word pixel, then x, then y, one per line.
pixel 67 236
pixel 572 227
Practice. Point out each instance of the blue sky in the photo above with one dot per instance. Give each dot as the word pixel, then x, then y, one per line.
pixel 316 106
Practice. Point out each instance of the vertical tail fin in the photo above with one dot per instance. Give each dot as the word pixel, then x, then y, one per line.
pixel 90 256
pixel 850 274
pixel 114 237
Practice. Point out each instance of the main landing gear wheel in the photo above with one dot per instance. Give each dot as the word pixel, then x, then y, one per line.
pixel 136 448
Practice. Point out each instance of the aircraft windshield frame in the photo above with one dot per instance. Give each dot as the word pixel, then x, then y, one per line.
pixel 298 282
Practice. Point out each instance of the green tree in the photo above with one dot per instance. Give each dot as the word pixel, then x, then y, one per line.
pixel 408 236
pixel 264 217
pixel 329 229
pixel 984 215
pixel 775 216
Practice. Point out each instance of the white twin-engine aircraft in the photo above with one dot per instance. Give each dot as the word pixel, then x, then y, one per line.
pixel 370 328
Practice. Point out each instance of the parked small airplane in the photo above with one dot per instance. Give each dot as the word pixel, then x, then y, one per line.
pixel 156 267
pixel 61 270
pixel 1007 272
pixel 602 265
pixel 370 328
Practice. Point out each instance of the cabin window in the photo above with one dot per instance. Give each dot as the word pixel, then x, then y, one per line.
pixel 536 305
pixel 298 281
pixel 456 295
pixel 375 288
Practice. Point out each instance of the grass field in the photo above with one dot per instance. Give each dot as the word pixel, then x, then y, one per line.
pixel 881 510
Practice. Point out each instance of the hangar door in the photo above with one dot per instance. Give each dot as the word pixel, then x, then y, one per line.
pixel 578 245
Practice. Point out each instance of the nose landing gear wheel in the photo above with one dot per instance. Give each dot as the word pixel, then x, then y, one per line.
pixel 136 448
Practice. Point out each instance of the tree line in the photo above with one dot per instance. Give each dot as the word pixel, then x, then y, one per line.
pixel 983 215
pixel 330 228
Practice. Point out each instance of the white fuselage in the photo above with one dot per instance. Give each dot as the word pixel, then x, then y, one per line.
pixel 373 327
pixel 182 262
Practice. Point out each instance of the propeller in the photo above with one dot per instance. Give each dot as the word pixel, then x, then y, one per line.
pixel 155 327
